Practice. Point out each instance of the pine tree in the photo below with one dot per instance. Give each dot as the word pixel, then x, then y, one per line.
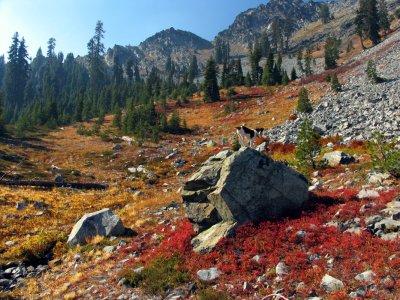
pixel 95 56
pixel 265 45
pixel 255 58
pixel 276 33
pixel 300 60
pixel 307 145
pixel 331 52
pixel 288 28
pixel 118 72
pixel 372 73
pixel 129 69
pixel 293 74
pixel 211 90
pixel 328 78
pixel 336 86
pixel 174 123
pixel 16 77
pixel 268 73
pixel 304 104
pixel 117 121
pixel 307 61
pixel 193 70
pixel 2 70
pixel 247 80
pixel 384 23
pixel 1 113
pixel 367 21
pixel 324 13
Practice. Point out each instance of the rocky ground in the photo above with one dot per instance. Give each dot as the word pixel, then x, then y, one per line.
pixel 362 107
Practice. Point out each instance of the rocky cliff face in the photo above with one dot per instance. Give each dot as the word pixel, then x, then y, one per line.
pixel 249 25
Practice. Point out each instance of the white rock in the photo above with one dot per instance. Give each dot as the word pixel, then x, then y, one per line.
pixel 331 284
pixel 208 275
pixel 367 276
pixel 367 194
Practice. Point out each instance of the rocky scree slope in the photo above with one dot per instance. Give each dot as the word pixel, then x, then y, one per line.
pixel 362 107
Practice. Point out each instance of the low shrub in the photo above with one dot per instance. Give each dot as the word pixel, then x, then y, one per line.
pixel 37 247
pixel 161 275
pixel 210 294
pixel 385 155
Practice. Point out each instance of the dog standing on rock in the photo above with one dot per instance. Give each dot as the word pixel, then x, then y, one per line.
pixel 244 133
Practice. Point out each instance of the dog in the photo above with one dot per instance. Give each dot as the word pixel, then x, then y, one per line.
pixel 244 132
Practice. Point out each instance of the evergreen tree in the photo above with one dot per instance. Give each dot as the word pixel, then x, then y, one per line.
pixel 1 113
pixel 138 79
pixel 384 23
pixel 118 72
pixel 288 28
pixel 307 145
pixel 211 91
pixel 129 69
pixel 336 86
pixel 174 123
pixel 307 61
pixel 255 58
pixel 268 73
pixel 276 33
pixel 324 13
pixel 372 73
pixel 367 21
pixel 328 78
pixel 293 75
pixel 2 70
pixel 304 104
pixel 95 56
pixel 193 69
pixel 117 121
pixel 16 77
pixel 247 80
pixel 332 45
pixel 265 46
pixel 300 60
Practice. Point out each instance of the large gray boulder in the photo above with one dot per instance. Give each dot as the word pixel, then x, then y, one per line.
pixel 241 187
pixel 102 223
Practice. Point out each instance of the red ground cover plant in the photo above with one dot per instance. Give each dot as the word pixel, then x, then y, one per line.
pixel 281 148
pixel 321 250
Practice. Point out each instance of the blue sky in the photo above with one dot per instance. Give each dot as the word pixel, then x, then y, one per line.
pixel 126 22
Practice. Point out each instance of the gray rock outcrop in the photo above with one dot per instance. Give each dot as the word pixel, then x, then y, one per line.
pixel 241 187
pixel 102 223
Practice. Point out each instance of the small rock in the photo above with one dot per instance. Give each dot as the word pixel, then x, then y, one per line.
pixel 281 269
pixel 367 194
pixel 9 243
pixel 108 249
pixel 21 206
pixel 367 276
pixel 331 284
pixel 208 275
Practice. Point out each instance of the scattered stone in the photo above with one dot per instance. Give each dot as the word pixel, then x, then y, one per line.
pixel 367 276
pixel 281 269
pixel 117 147
pixel 138 194
pixel 336 158
pixel 10 243
pixel 367 194
pixel 208 275
pixel 207 240
pixel 377 178
pixel 102 223
pixel 108 249
pixel 331 284
pixel 21 205
pixel 59 178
